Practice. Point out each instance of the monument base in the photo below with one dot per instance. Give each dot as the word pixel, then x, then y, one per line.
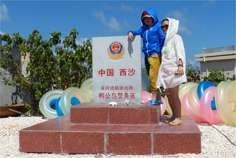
pixel 117 130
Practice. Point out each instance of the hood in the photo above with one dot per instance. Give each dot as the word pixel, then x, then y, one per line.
pixel 173 28
pixel 153 13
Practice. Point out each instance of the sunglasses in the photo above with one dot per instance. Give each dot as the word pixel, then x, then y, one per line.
pixel 165 26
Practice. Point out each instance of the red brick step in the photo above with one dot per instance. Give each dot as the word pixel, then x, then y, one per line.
pixel 61 136
pixel 115 115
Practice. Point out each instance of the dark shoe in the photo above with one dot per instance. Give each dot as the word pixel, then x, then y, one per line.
pixel 166 118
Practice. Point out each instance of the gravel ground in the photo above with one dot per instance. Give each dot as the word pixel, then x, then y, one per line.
pixel 217 142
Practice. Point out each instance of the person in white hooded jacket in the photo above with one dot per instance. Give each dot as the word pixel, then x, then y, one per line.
pixel 172 70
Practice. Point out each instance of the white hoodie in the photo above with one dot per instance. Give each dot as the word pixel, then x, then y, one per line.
pixel 172 51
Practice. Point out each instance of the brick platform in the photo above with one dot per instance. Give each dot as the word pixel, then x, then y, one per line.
pixel 117 130
pixel 114 115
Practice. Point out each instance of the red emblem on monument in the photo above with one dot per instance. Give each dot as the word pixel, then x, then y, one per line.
pixel 116 50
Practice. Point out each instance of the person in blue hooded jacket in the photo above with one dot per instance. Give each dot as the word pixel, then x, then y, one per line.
pixel 153 39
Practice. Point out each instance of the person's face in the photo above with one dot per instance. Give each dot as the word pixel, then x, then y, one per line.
pixel 148 21
pixel 165 25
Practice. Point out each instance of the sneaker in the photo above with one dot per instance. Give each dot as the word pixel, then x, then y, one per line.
pixel 175 122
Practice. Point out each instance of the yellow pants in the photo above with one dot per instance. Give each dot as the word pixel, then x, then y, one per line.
pixel 154 63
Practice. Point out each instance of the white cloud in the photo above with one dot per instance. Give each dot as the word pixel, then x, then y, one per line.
pixel 3 13
pixel 126 8
pixel 114 24
pixel 183 28
pixel 111 22
pixel 100 16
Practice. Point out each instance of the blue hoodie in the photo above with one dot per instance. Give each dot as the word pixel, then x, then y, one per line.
pixel 153 37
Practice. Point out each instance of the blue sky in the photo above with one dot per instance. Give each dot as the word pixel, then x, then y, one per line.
pixel 203 24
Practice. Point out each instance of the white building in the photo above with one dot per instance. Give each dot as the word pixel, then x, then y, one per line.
pixel 218 59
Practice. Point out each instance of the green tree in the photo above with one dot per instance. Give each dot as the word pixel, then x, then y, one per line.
pixel 54 63
pixel 216 76
pixel 192 74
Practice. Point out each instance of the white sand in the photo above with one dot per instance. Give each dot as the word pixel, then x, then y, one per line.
pixel 214 144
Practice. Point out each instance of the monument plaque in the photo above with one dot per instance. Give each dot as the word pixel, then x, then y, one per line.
pixel 116 70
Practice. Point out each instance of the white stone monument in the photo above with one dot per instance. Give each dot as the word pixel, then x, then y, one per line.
pixel 116 70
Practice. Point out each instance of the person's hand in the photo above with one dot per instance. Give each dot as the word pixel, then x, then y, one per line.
pixel 130 36
pixel 180 70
